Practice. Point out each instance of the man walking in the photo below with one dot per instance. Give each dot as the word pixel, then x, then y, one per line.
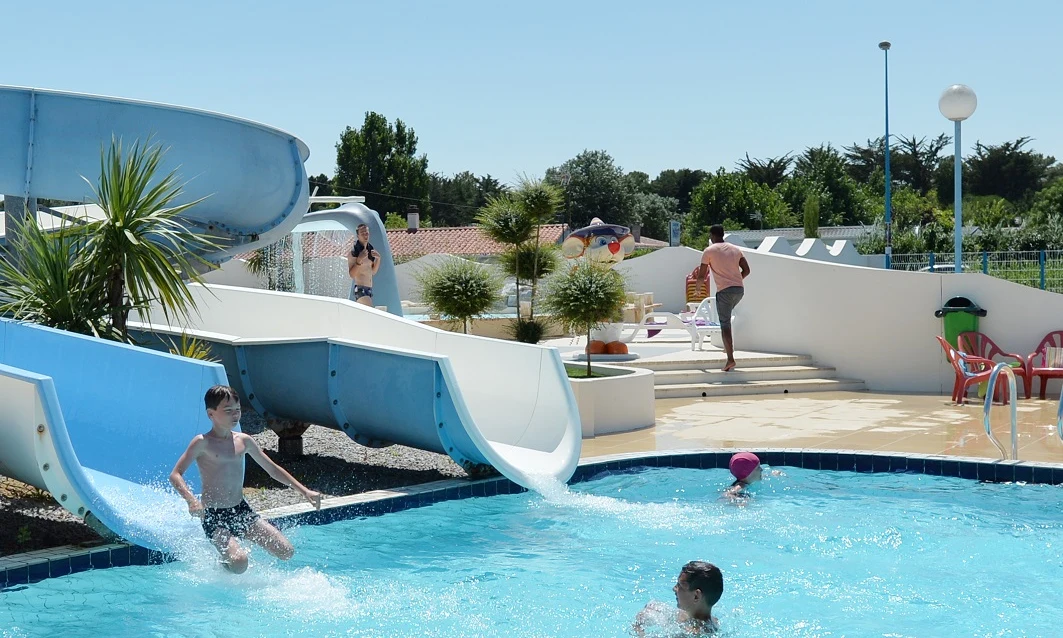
pixel 729 269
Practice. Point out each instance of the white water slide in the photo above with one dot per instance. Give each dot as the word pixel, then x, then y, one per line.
pixel 383 379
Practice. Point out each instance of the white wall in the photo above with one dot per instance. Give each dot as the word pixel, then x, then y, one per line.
pixel 871 324
pixel 234 273
pixel 662 272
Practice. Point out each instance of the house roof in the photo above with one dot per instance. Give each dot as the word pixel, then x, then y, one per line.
pixel 457 240
pixel 464 241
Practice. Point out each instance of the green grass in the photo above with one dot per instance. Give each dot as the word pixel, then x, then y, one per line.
pixel 581 373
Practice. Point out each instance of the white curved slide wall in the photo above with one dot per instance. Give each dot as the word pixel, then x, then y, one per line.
pixel 514 402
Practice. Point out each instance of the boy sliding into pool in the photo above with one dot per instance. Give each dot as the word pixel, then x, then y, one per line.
pixel 219 454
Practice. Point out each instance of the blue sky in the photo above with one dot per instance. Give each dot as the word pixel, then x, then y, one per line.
pixel 516 87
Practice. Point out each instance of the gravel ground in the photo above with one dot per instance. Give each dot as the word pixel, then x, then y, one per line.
pixel 332 464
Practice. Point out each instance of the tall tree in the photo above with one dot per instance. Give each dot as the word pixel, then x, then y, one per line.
pixel 594 186
pixel 678 184
pixel 655 214
pixel 734 200
pixel 843 201
pixel 1007 170
pixel 771 172
pixel 380 161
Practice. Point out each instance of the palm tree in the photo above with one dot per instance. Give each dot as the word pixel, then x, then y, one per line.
pixel 141 249
pixel 541 201
pixel 45 279
pixel 506 221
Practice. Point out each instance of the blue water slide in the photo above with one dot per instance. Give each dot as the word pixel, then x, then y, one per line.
pixel 252 175
pixel 384 379
pixel 100 425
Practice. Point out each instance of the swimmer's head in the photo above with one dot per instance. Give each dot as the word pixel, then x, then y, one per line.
pixel 698 588
pixel 223 406
pixel 745 466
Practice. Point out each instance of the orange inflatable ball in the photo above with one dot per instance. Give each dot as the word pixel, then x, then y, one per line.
pixel 596 347
pixel 616 347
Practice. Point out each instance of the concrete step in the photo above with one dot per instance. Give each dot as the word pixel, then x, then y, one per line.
pixel 698 361
pixel 740 374
pixel 782 386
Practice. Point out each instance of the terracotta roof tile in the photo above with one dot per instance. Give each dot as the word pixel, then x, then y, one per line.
pixel 458 240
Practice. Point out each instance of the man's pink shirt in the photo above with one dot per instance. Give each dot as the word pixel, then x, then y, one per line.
pixel 723 259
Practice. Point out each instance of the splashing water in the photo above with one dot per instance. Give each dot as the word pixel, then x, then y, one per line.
pixel 313 263
pixel 666 515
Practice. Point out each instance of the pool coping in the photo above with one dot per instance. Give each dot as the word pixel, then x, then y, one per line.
pixel 31 567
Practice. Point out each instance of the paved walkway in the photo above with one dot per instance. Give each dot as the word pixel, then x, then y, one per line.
pixel 844 420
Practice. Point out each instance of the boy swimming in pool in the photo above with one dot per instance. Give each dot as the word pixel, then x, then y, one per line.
pixel 219 454
pixel 698 587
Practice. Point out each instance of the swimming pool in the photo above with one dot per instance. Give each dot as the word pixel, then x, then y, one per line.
pixel 813 554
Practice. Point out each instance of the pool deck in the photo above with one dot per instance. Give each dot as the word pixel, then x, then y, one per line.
pixel 865 421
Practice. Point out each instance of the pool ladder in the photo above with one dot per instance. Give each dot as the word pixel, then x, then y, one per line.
pixel 1003 367
pixel 1059 415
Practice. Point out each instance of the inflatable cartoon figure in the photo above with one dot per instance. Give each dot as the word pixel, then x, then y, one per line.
pixel 603 244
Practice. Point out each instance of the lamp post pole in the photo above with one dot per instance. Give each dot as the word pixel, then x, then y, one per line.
pixel 957 103
pixel 885 46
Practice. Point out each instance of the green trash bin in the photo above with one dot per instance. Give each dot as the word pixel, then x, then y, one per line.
pixel 960 314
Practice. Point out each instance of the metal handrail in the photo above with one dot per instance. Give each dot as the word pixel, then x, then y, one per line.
pixel 1014 415
pixel 1059 415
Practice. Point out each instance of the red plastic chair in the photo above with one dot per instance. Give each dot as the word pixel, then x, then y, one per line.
pixel 970 371
pixel 1053 339
pixel 980 345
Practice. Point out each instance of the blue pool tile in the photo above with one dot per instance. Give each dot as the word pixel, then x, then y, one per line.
pixel 792 458
pixel 932 467
pixel 80 563
pixel 139 555
pixel 968 470
pixel 37 572
pixel 846 462
pixel 100 560
pixel 1004 472
pixel 811 460
pixel 686 461
pixel 863 463
pixel 1042 475
pixel 59 567
pixel 880 463
pixel 18 576
pixel 479 489
pixel 120 557
pixel 828 461
pixel 950 467
pixel 773 458
pixel 986 472
pixel 915 464
pixel 1023 473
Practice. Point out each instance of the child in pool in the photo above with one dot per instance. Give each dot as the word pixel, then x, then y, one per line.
pixel 745 467
pixel 219 454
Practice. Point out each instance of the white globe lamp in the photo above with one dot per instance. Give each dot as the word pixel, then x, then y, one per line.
pixel 957 103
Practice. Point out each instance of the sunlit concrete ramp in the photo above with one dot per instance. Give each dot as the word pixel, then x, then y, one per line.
pixel 100 425
pixel 252 175
pixel 384 379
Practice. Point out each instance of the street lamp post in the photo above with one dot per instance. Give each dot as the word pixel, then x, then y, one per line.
pixel 885 46
pixel 957 103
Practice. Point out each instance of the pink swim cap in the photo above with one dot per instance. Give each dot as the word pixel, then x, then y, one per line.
pixel 743 464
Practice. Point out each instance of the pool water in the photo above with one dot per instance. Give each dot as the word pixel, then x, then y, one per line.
pixel 811 554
